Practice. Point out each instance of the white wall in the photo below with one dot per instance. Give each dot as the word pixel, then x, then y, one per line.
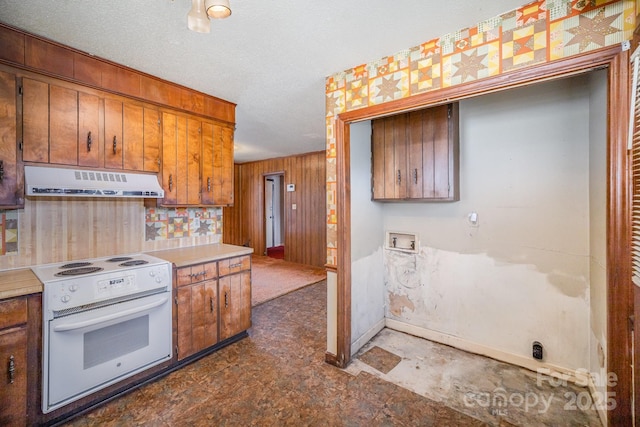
pixel 367 237
pixel 598 226
pixel 522 274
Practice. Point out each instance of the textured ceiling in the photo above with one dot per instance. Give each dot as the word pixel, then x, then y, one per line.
pixel 270 57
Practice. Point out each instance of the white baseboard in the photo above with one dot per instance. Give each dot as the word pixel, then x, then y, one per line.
pixel 503 356
pixel 372 332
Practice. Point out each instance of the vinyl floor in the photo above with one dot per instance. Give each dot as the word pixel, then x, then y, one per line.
pixel 277 377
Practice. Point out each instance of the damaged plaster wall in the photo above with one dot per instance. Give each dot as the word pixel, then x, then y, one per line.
pixel 598 227
pixel 521 274
pixel 367 237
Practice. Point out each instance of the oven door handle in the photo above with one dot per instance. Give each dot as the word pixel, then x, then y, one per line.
pixel 79 325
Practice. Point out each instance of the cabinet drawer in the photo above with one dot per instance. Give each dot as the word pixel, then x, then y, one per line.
pixel 234 265
pixel 197 273
pixel 13 312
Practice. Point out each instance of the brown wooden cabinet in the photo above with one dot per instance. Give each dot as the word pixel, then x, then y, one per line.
pixel 235 296
pixel 180 160
pixel 197 308
pixel 197 165
pixel 217 165
pixel 415 156
pixel 10 181
pixel 13 361
pixel 65 126
pixel 213 303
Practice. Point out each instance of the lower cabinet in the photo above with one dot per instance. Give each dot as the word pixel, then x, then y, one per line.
pixel 213 303
pixel 197 317
pixel 235 304
pixel 13 361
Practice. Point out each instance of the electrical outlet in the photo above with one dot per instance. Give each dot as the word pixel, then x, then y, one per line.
pixel 537 351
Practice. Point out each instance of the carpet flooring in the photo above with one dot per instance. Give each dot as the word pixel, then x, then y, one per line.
pixel 271 278
pixel 276 252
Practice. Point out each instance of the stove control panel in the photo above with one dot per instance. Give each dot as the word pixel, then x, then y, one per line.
pixel 79 291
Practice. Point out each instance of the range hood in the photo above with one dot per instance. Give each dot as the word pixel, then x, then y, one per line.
pixel 51 181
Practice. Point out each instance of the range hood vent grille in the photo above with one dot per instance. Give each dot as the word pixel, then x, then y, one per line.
pixel 50 181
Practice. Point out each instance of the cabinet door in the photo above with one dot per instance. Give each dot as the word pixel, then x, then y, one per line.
pixel 223 167
pixel 152 140
pixel 132 137
pixel 8 135
pixel 197 318
pixel 194 144
pixel 400 156
pixel 208 184
pixel 235 304
pixel 13 376
pixel 416 179
pixel 445 152
pixel 90 149
pixel 35 121
pixel 169 158
pixel 112 134
pixel 63 125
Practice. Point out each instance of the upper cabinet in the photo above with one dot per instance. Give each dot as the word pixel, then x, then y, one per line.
pixel 197 165
pixel 64 126
pixel 10 182
pixel 415 156
pixel 65 107
pixel 217 165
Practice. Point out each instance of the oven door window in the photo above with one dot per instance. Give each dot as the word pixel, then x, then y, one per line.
pixel 91 350
pixel 115 341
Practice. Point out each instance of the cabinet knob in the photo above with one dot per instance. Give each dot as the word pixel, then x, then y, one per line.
pixel 12 369
pixel 89 141
pixel 115 144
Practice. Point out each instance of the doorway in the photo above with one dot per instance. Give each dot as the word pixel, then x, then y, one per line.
pixel 274 215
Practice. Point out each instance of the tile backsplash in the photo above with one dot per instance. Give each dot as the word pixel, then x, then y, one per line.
pixel 9 232
pixel 175 223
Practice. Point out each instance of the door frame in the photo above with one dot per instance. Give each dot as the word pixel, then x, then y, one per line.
pixel 619 290
pixel 266 175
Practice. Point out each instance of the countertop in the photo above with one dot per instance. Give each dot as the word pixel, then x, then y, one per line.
pixel 198 254
pixel 22 281
pixel 15 283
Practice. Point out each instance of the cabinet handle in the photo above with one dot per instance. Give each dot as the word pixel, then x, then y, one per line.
pixel 12 369
pixel 115 144
pixel 1 170
pixel 399 177
pixel 211 303
pixel 89 141
pixel 170 182
pixel 208 184
pixel 236 265
pixel 226 299
pixel 415 176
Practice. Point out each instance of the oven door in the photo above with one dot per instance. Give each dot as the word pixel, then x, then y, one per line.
pixel 90 350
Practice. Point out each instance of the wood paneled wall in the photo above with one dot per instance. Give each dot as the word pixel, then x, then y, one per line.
pixel 304 227
pixel 62 229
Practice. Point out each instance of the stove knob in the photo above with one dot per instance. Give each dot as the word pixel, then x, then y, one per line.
pixel 73 288
pixel 152 273
pixel 65 298
pixel 158 279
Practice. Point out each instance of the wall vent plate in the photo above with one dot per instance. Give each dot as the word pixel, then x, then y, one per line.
pixel 401 241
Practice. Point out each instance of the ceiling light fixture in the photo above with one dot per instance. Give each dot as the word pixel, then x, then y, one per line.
pixel 217 9
pixel 201 10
